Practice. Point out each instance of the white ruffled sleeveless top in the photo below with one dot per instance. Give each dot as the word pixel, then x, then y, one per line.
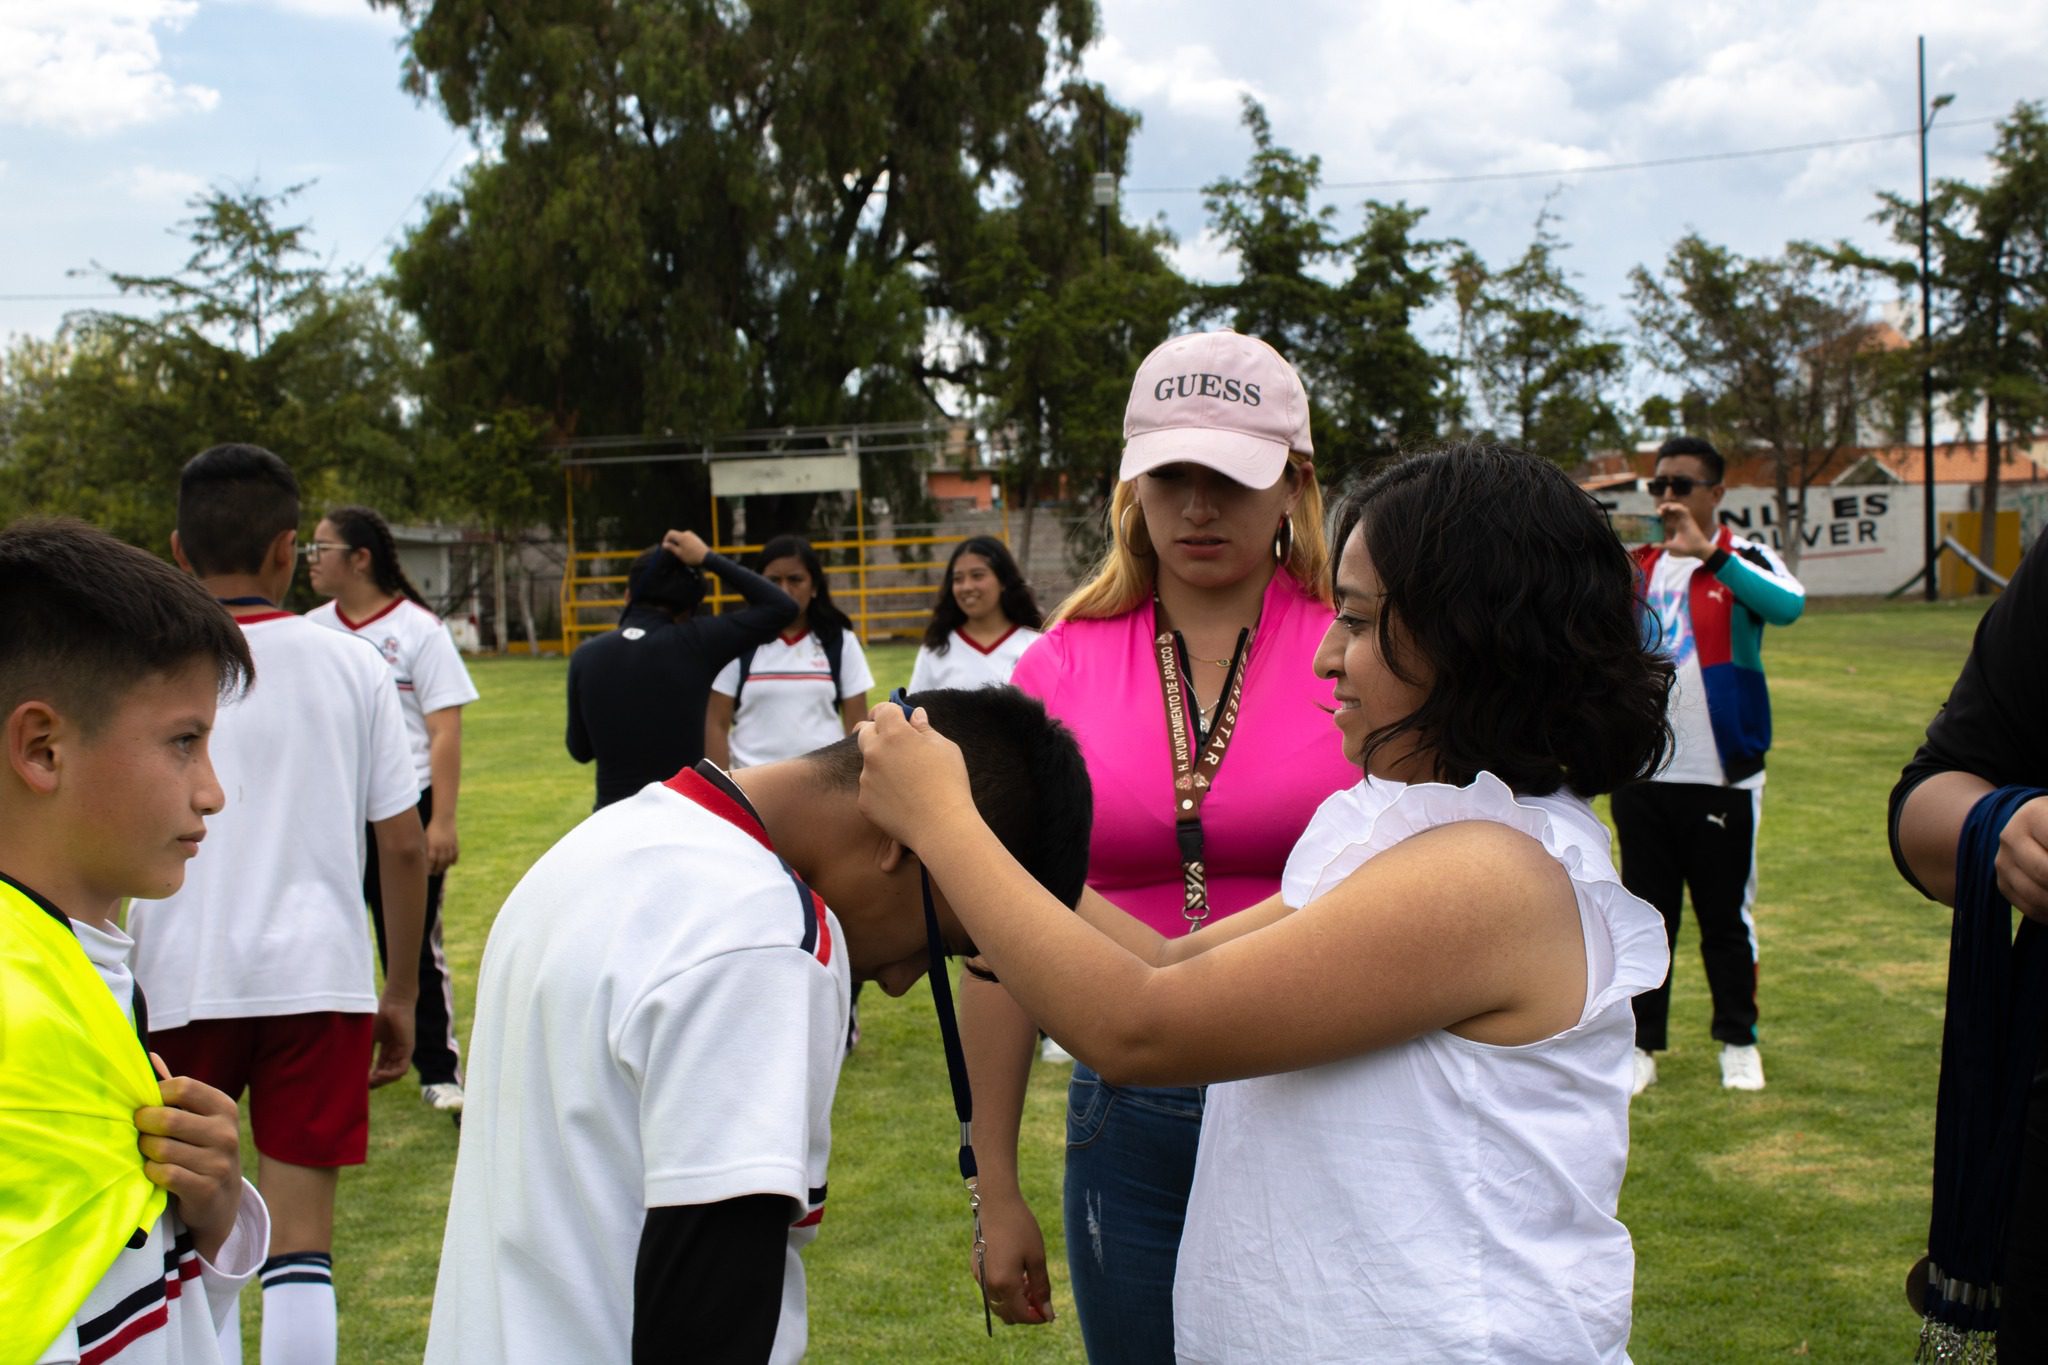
pixel 1440 1200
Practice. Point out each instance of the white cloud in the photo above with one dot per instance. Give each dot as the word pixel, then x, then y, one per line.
pixel 1207 258
pixel 154 185
pixel 91 66
pixel 359 10
pixel 1188 79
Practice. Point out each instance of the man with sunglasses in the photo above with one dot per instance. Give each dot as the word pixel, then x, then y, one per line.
pixel 660 1022
pixel 1707 596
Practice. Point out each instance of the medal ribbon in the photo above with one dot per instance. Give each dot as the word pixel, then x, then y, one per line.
pixel 1194 771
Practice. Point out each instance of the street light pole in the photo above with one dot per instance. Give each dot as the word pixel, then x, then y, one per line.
pixel 1927 334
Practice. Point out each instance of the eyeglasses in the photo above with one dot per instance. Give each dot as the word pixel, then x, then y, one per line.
pixel 1677 485
pixel 312 548
pixel 956 1059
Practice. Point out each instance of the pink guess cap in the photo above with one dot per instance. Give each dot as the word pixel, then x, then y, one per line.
pixel 1217 399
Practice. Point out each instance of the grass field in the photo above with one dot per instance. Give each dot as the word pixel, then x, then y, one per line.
pixel 1767 1225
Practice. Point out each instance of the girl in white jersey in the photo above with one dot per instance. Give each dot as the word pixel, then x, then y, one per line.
pixel 1423 1044
pixel 353 561
pixel 984 621
pixel 796 693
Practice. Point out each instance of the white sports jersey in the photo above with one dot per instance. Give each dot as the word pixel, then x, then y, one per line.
pixel 270 919
pixel 660 1021
pixel 424 663
pixel 160 1303
pixel 967 664
pixel 788 707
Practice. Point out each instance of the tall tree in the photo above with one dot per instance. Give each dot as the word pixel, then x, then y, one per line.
pixel 698 216
pixel 1988 278
pixel 1387 389
pixel 1286 250
pixel 1540 363
pixel 1342 309
pixel 1054 320
pixel 1774 352
pixel 246 343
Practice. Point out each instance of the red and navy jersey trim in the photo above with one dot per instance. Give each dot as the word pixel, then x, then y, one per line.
pixel 814 1209
pixel 257 618
pixel 968 640
pixel 393 605
pixel 708 786
pixel 147 1310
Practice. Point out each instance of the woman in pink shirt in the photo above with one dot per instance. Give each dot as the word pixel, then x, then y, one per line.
pixel 1184 670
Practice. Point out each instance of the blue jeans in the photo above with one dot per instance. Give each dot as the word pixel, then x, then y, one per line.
pixel 1130 1163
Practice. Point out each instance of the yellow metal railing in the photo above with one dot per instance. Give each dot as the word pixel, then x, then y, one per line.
pixel 858 597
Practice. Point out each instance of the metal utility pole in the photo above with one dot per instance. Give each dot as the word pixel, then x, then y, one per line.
pixel 1927 114
pixel 1105 183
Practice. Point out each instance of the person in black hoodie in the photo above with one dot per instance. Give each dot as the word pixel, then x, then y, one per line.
pixel 637 694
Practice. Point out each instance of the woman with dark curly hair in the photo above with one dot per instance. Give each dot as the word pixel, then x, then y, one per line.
pixel 1420 1051
pixel 986 608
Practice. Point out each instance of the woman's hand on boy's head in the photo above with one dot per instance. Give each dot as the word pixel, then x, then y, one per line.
pixel 191 1146
pixel 910 774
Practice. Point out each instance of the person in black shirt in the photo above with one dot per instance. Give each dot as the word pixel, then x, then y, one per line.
pixel 637 694
pixel 1993 732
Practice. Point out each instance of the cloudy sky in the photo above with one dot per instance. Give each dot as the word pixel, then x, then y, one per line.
pixel 113 112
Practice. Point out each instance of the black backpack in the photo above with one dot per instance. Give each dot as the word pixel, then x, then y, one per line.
pixel 834 642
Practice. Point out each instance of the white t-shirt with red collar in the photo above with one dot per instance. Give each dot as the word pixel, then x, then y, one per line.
pixel 660 1021
pixel 967 664
pixel 789 706
pixel 270 919
pixel 424 663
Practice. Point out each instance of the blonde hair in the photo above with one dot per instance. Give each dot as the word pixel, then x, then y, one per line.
pixel 1123 578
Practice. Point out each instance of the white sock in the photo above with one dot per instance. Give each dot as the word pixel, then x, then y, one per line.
pixel 231 1335
pixel 298 1309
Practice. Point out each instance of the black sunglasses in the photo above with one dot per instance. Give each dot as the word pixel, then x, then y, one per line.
pixel 956 1058
pixel 1677 485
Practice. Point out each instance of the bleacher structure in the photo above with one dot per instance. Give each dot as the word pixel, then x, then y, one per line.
pixel 870 570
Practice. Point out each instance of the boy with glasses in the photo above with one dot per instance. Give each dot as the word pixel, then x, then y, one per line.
pixel 1707 594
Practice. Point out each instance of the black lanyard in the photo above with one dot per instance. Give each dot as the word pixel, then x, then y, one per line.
pixel 956 1057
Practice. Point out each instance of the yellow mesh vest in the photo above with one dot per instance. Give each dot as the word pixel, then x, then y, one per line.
pixel 72 1075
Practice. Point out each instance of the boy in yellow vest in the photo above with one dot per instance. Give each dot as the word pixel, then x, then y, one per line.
pixel 111 666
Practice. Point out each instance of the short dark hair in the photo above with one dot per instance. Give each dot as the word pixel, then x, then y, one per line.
pixel 1509 584
pixel 1699 448
pixel 233 501
pixel 1017 602
pixel 85 617
pixel 659 579
pixel 1029 782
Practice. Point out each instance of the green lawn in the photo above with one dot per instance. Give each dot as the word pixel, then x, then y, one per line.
pixel 1767 1225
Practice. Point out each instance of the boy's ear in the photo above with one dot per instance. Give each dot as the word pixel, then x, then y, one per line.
pixel 283 548
pixel 33 731
pixel 890 854
pixel 178 554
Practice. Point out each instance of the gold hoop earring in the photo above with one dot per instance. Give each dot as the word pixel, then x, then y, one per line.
pixel 1283 540
pixel 1130 542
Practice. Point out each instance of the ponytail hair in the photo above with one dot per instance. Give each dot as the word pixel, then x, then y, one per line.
pixel 363 529
pixel 823 614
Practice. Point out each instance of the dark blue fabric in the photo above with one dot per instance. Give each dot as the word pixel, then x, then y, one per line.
pixel 1997 995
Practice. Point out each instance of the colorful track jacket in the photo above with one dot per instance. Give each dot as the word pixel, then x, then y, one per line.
pixel 1734 593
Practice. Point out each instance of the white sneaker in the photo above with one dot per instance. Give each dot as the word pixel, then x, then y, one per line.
pixel 445 1096
pixel 1052 1052
pixel 1646 1072
pixel 1742 1068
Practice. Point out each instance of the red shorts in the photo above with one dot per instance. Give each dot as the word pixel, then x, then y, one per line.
pixel 308 1078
